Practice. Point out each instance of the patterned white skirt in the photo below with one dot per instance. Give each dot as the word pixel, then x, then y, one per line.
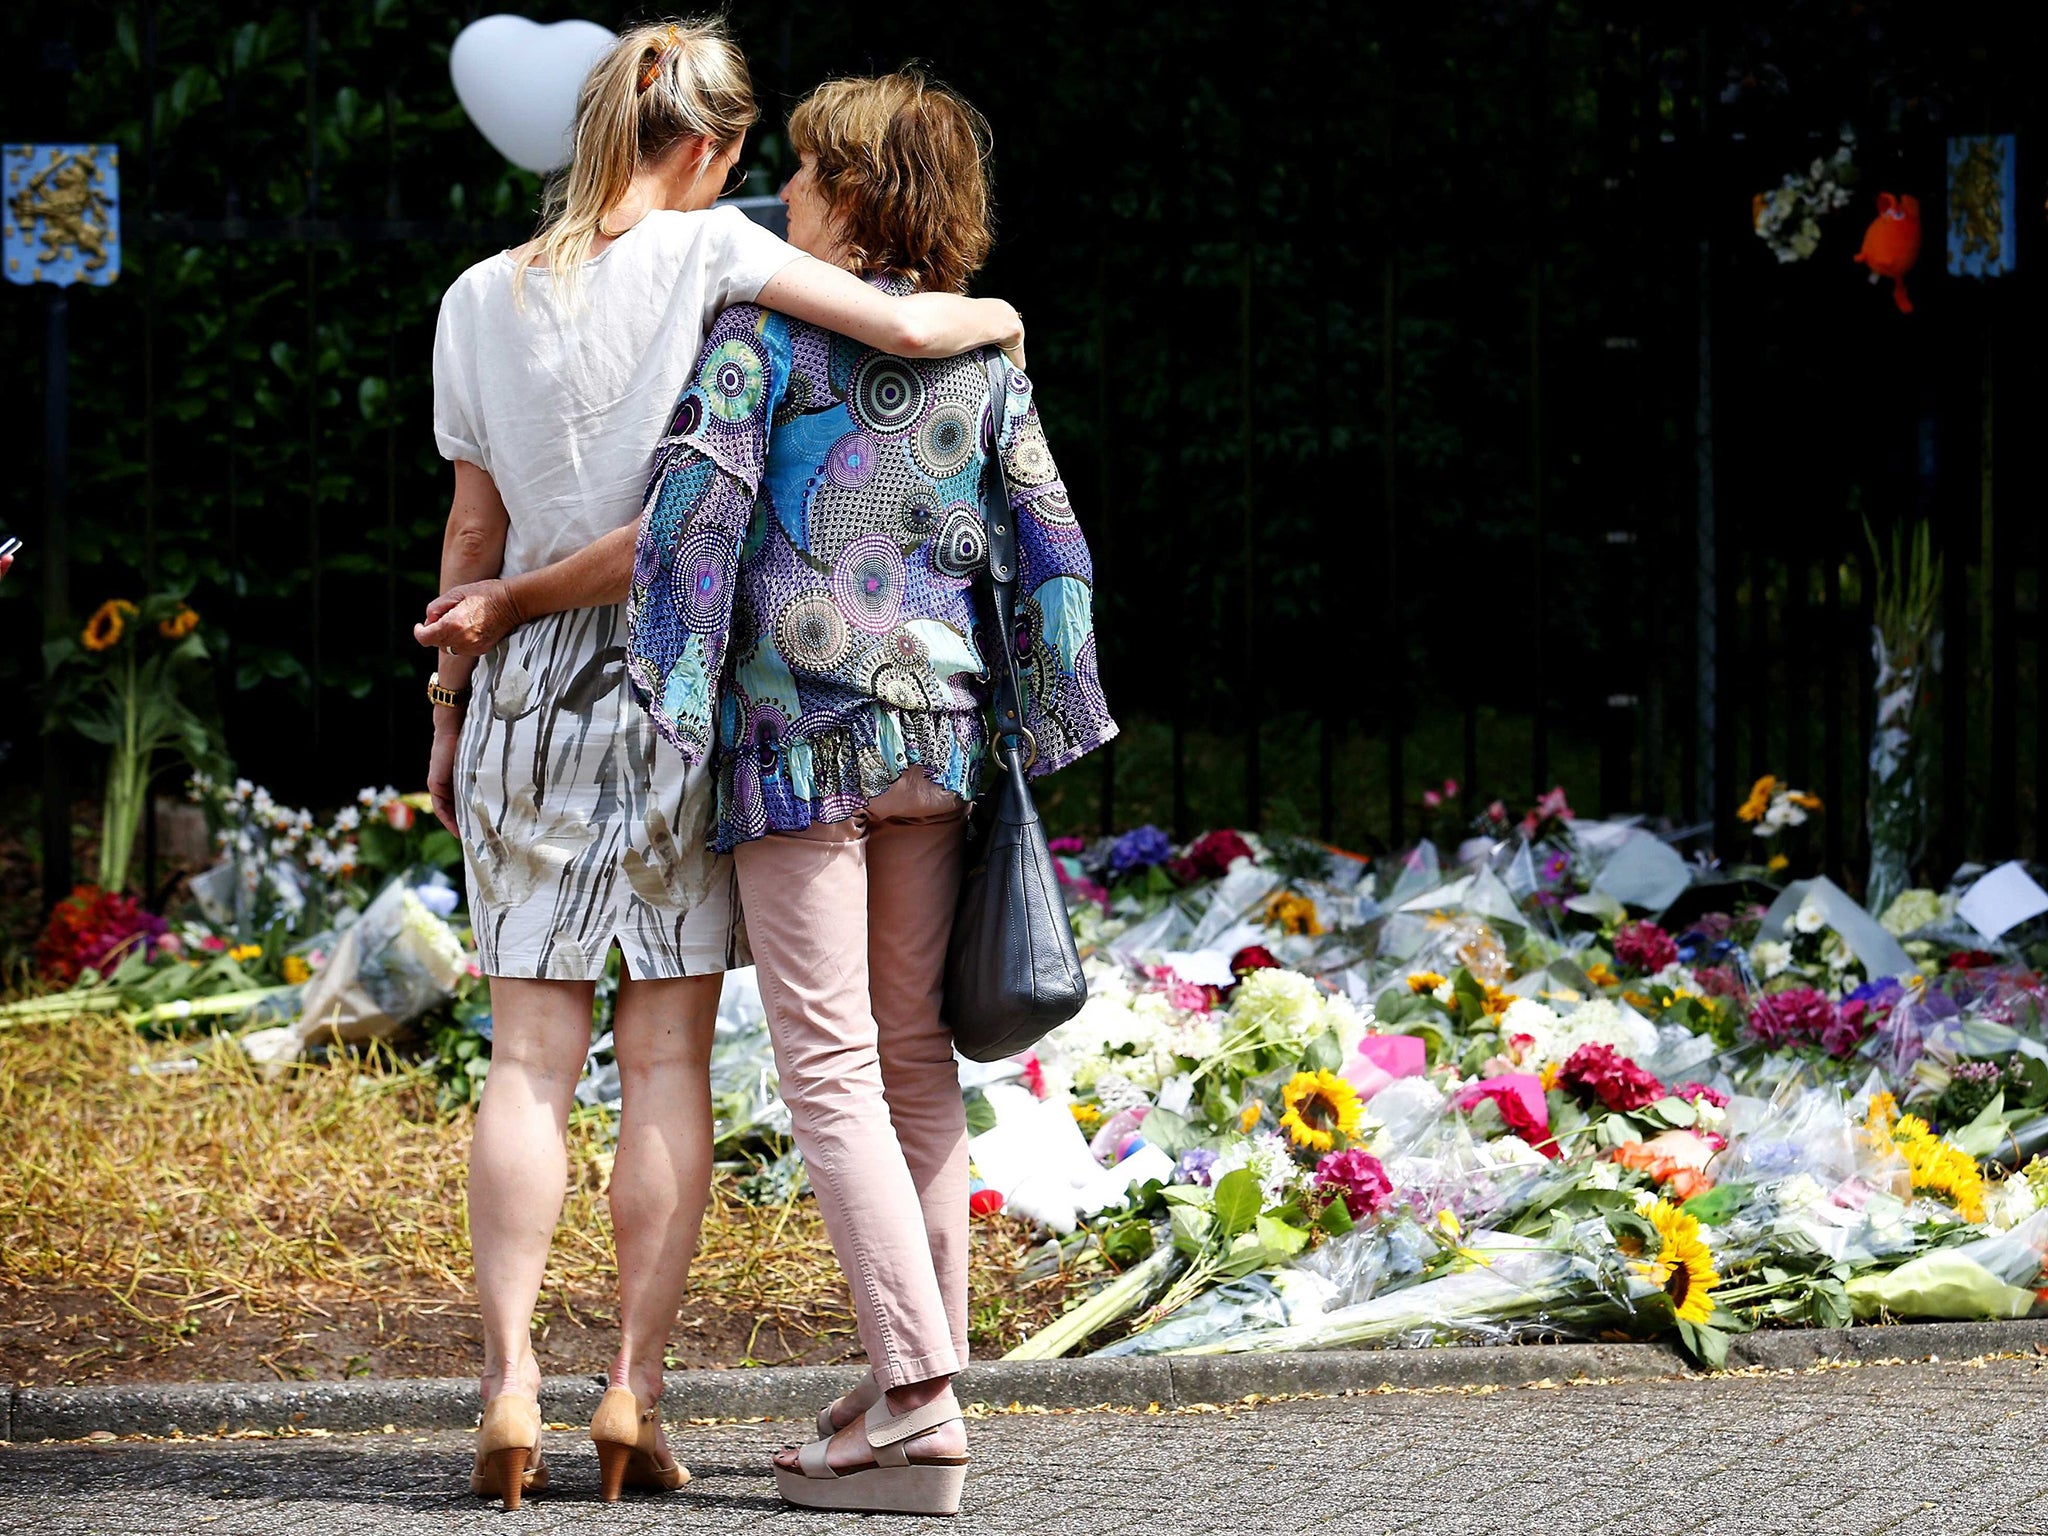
pixel 581 827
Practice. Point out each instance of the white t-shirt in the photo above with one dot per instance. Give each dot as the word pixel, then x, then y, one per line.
pixel 562 399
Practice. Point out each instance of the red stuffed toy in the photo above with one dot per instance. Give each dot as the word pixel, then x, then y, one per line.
pixel 1892 244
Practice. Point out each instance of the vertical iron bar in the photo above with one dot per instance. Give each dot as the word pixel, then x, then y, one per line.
pixel 149 848
pixel 1249 702
pixel 394 695
pixel 315 604
pixel 1393 661
pixel 56 562
pixel 2001 698
pixel 1105 520
pixel 1539 197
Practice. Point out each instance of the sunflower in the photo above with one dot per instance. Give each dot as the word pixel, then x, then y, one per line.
pixel 1759 800
pixel 1600 975
pixel 1293 913
pixel 296 970
pixel 179 624
pixel 1425 981
pixel 103 629
pixel 1683 1268
pixel 1321 1106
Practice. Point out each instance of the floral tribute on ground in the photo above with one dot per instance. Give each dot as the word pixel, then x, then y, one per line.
pixel 1563 1084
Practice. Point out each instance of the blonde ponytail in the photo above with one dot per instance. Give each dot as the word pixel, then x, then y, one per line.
pixel 658 84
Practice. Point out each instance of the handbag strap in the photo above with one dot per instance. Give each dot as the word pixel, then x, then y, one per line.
pixel 1006 689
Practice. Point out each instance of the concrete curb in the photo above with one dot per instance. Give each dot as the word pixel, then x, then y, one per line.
pixel 72 1413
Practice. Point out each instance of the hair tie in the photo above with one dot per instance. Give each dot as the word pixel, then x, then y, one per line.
pixel 668 46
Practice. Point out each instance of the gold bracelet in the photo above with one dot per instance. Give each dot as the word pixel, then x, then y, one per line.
pixel 448 697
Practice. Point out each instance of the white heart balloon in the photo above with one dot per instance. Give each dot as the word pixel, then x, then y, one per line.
pixel 518 81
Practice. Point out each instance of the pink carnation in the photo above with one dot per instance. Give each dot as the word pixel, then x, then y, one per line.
pixel 1644 947
pixel 1359 1177
pixel 1796 1016
pixel 1692 1093
pixel 1600 1072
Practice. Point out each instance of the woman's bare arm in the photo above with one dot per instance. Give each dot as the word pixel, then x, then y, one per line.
pixel 471 618
pixel 473 546
pixel 914 325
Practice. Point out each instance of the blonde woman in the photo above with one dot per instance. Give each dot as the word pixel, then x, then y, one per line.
pixel 555 368
pixel 807 614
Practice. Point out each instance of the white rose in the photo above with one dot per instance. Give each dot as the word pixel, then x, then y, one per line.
pixel 1771 958
pixel 1809 918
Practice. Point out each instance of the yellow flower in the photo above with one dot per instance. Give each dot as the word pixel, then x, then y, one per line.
pixel 1321 1106
pixel 1448 1220
pixel 296 970
pixel 1086 1115
pixel 243 952
pixel 1599 974
pixel 1293 913
pixel 1759 800
pixel 179 624
pixel 1548 1075
pixel 1777 862
pixel 1683 1268
pixel 1936 1166
pixel 1249 1117
pixel 103 629
pixel 1424 981
pixel 1803 800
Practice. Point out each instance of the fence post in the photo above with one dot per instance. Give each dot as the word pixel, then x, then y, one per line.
pixel 55 553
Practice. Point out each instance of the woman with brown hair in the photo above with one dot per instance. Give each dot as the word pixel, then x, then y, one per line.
pixel 555 366
pixel 806 615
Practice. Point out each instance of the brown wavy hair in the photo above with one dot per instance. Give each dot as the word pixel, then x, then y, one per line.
pixel 903 165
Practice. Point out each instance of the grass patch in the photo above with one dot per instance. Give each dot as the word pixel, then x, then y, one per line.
pixel 180 1200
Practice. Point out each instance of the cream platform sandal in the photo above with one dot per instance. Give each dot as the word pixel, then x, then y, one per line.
pixel 629 1449
pixel 894 1482
pixel 859 1390
pixel 508 1460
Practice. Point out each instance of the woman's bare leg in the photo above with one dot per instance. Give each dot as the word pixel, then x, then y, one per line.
pixel 519 1162
pixel 661 1177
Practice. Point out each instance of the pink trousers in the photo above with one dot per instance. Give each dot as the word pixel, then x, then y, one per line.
pixel 849 923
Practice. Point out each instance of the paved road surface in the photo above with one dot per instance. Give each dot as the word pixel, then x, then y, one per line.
pixel 1935 1448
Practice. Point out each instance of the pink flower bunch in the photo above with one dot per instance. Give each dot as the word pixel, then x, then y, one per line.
pixel 94 929
pixel 1209 857
pixel 1718 981
pixel 1359 1177
pixel 1796 1016
pixel 1433 798
pixel 1190 997
pixel 1546 807
pixel 1601 1072
pixel 1854 1022
pixel 1517 1115
pixel 1692 1093
pixel 1644 947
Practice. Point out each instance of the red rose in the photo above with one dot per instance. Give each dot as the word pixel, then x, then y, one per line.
pixel 1644 947
pixel 1600 1072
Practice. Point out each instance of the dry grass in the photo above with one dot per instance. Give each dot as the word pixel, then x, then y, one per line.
pixel 183 1196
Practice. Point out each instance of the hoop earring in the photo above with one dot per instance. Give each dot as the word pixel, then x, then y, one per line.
pixel 733 186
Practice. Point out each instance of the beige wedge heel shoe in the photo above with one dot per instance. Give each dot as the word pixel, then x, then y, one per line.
pixel 629 1449
pixel 508 1463
pixel 863 1392
pixel 895 1482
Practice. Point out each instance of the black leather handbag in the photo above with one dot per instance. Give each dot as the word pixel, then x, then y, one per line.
pixel 1012 972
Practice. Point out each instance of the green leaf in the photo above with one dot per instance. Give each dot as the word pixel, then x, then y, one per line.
pixel 441 849
pixel 1280 1236
pixel 1169 1132
pixel 1336 1218
pixel 1706 1344
pixel 1190 1225
pixel 980 1116
pixel 1127 1242
pixel 1715 1206
pixel 1238 1201
pixel 1325 1053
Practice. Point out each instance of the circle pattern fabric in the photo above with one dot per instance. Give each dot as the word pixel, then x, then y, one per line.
pixel 944 441
pixel 733 380
pixel 961 548
pixel 887 397
pixel 1030 461
pixel 918 517
pixel 851 462
pixel 689 416
pixel 703 583
pixel 812 635
pixel 868 581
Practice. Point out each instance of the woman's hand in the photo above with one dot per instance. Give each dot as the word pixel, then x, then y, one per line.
pixel 441 766
pixel 468 620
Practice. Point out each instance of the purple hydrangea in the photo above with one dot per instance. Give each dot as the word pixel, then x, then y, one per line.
pixel 1140 848
pixel 1194 1167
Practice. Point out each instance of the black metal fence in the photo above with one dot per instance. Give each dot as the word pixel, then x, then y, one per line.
pixel 1430 403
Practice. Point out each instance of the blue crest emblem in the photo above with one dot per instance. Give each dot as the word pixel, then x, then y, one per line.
pixel 62 213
